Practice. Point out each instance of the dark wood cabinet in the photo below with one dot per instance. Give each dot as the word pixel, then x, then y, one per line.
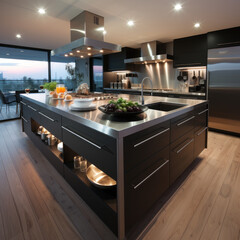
pixel 115 61
pixel 140 146
pixel 144 185
pixel 224 38
pixel 181 125
pixel 97 148
pixel 51 121
pixel 181 155
pixel 190 51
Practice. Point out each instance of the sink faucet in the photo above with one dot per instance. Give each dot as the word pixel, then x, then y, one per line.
pixel 142 88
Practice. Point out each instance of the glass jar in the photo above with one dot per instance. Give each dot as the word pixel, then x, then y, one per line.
pixel 80 163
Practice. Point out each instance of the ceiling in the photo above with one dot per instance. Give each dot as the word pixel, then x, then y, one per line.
pixel 154 20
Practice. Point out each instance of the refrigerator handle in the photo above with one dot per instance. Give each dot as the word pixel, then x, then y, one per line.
pixel 207 84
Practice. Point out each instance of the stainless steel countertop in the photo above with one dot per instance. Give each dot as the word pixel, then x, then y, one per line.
pixel 112 126
pixel 158 91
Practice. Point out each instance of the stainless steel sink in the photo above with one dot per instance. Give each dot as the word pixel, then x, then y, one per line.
pixel 165 106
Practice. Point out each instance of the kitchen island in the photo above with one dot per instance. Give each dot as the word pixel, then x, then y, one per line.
pixel 145 154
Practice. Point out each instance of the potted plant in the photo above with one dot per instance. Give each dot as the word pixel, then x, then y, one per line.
pixel 74 74
pixel 49 86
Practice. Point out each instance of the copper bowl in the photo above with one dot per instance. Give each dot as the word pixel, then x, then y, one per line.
pixel 98 178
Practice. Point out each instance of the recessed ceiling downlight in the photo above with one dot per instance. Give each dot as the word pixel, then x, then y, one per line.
pixel 197 25
pixel 177 7
pixel 130 23
pixel 41 11
pixel 18 36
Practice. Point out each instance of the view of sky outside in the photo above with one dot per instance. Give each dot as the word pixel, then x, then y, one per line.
pixel 15 69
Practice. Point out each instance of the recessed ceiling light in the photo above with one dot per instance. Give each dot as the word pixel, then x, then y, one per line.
pixel 18 35
pixel 88 48
pixel 78 51
pixel 104 32
pixel 89 54
pixel 82 56
pixel 41 11
pixel 70 53
pixel 65 55
pixel 177 7
pixel 197 25
pixel 101 51
pixel 130 23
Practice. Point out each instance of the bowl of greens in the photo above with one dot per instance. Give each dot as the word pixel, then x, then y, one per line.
pixel 122 107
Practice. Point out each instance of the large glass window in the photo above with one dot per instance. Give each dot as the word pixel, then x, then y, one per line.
pixel 97 74
pixel 60 73
pixel 20 68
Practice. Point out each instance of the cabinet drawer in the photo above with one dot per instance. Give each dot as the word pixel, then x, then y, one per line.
pixel 26 125
pixel 51 121
pixel 181 125
pixel 33 110
pixel 144 186
pixel 201 114
pixel 181 155
pixel 200 139
pixel 140 146
pixel 24 111
pixel 97 148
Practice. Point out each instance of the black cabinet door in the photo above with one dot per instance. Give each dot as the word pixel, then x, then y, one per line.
pixel 224 38
pixel 190 51
pixel 115 61
pixel 181 155
pixel 97 148
pixel 144 185
pixel 200 141
pixel 181 125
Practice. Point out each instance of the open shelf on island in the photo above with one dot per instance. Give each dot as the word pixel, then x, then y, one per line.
pixel 107 195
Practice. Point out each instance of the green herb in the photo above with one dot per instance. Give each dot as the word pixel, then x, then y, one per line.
pixel 51 86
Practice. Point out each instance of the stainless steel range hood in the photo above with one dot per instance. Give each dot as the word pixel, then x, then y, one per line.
pixel 149 54
pixel 87 38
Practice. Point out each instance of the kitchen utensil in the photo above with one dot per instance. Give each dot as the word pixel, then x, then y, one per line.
pixel 51 139
pixel 194 76
pixel 123 114
pixel 98 178
pixel 180 77
pixel 44 135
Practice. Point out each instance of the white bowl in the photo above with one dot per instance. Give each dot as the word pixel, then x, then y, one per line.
pixel 83 102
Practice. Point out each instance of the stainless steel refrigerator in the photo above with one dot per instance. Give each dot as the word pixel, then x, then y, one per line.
pixel 224 88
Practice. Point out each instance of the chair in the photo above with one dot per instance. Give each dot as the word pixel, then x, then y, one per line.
pixel 8 98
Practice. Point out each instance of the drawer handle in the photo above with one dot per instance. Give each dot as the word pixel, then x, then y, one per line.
pixel 222 44
pixel 151 137
pixel 32 108
pixel 140 183
pixel 202 131
pixel 95 145
pixel 47 117
pixel 24 119
pixel 23 103
pixel 178 151
pixel 179 124
pixel 202 111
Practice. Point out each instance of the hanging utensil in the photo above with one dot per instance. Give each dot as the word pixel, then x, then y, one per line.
pixel 180 77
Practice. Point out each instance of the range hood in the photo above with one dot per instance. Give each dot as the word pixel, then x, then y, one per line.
pixel 87 38
pixel 151 52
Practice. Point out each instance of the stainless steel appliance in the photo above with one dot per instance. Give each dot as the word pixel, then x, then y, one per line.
pixel 87 38
pixel 224 89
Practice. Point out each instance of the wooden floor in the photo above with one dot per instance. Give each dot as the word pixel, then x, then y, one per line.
pixel 36 202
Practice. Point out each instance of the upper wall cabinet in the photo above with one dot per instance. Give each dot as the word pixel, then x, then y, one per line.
pixel 190 51
pixel 224 38
pixel 115 61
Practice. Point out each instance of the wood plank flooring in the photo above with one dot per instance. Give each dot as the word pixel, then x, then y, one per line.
pixel 37 203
